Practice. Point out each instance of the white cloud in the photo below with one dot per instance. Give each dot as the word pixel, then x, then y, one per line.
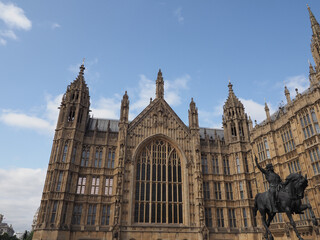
pixel 8 34
pixel 173 89
pixel 300 82
pixel 178 14
pixel 21 190
pixel 13 18
pixel 21 120
pixel 107 108
pixel 44 120
pixel 3 42
pixel 147 88
pixel 55 25
pixel 210 119
pixel 43 123
pixel 256 110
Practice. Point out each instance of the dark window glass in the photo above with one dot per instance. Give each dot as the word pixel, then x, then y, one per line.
pixel 143 174
pixel 147 213
pixel 170 212
pixel 147 191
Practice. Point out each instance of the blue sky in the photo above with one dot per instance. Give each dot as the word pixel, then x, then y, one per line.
pixel 199 46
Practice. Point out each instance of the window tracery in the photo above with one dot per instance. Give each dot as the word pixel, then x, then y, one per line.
pixel 158 192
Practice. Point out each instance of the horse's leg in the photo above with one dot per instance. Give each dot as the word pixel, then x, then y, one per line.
pixel 264 222
pixel 270 217
pixel 288 212
pixel 303 207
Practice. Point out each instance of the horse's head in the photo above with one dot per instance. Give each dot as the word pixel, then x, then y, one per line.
pixel 298 185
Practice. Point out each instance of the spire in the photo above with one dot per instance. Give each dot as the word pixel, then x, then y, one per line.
pixel 287 94
pixel 193 115
pixel 192 105
pixel 79 82
pixel 124 113
pixel 159 85
pixel 232 100
pixel 266 108
pixel 314 24
pixel 315 40
pixel 250 124
pixel 311 69
pixel 312 75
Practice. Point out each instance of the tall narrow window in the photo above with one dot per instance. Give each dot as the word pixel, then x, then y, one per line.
pixel 315 160
pixel 206 190
pixel 59 181
pixel 95 185
pixel 98 157
pixel 65 150
pixel 217 190
pixel 220 219
pixel 80 115
pixel 111 157
pixel 71 114
pixel 229 192
pixel 204 164
pixel 315 120
pixel 245 218
pixel 105 215
pixel 233 130
pixel 44 211
pixel 91 214
pixel 108 187
pixel 265 183
pixel 56 153
pixel 263 149
pixel 294 166
pixel 208 216
pixel 64 213
pixel 238 164
pixel 232 218
pixel 266 147
pixel 241 190
pixel 76 216
pixel 249 189
pixel 215 164
pixel 74 153
pixel 85 157
pixel 54 211
pixel 69 182
pixel 287 140
pixel 246 167
pixel 81 185
pixel 306 125
pixel 158 184
pixel 226 167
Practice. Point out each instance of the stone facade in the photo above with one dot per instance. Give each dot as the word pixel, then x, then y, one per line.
pixel 5 227
pixel 157 178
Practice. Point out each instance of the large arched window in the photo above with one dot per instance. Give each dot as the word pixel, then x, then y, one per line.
pixel 158 185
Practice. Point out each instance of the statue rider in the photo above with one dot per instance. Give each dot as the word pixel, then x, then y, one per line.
pixel 274 181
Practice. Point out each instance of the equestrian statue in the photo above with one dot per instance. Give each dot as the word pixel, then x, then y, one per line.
pixel 281 197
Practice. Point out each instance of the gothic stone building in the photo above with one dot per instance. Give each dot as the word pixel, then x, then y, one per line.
pixel 158 178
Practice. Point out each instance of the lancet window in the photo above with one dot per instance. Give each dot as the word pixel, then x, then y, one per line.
pixel 158 186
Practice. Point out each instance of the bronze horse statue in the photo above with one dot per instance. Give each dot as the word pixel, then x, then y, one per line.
pixel 289 201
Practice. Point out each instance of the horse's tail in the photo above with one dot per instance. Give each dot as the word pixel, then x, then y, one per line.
pixel 255 208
